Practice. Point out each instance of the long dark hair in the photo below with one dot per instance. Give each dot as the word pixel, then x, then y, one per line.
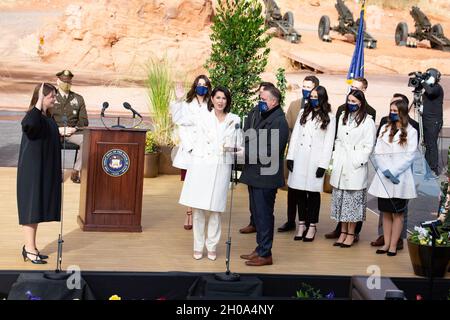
pixel 227 94
pixel 362 111
pixel 402 108
pixel 321 111
pixel 48 88
pixel 192 94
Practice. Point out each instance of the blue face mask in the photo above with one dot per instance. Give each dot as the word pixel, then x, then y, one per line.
pixel 201 90
pixel 394 117
pixel 263 107
pixel 352 107
pixel 314 102
pixel 306 93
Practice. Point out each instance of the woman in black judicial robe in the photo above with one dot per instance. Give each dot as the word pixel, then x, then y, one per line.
pixel 38 170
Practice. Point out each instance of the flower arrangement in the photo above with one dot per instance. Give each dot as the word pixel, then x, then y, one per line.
pixel 423 236
pixel 308 292
pixel 150 143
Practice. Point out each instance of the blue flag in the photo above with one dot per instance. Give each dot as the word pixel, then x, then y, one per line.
pixel 356 69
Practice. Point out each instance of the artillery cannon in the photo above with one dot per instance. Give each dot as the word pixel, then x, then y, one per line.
pixel 347 25
pixel 424 31
pixel 284 24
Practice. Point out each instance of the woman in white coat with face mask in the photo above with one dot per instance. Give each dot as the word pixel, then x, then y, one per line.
pixel 196 101
pixel 393 184
pixel 308 158
pixel 209 171
pixel 353 146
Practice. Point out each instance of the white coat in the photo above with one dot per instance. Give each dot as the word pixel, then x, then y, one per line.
pixel 209 172
pixel 352 149
pixel 179 111
pixel 397 159
pixel 310 148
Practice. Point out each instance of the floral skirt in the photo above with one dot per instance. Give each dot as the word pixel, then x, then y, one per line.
pixel 348 205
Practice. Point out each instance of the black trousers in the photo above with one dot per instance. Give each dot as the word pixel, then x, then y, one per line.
pixel 308 204
pixel 431 129
pixel 263 202
pixel 292 206
pixel 250 203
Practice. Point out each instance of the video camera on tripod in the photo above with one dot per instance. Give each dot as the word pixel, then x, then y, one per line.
pixel 416 79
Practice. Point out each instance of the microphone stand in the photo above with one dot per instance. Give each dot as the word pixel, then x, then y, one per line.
pixel 228 275
pixel 58 274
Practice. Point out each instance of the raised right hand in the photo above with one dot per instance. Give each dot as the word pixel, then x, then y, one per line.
pixel 179 91
pixel 40 97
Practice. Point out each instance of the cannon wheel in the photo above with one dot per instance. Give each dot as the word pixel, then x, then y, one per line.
pixel 437 30
pixel 401 34
pixel 289 17
pixel 324 27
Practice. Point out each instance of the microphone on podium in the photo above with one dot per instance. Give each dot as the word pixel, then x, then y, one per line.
pixel 127 106
pixel 104 107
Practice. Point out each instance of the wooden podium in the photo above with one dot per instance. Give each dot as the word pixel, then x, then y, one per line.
pixel 112 180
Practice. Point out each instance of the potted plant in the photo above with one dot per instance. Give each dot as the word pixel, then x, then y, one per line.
pixel 421 252
pixel 151 160
pixel 327 187
pixel 160 90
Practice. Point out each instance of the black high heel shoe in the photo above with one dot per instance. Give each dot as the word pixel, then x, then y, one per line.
pixel 41 256
pixel 343 245
pixel 38 260
pixel 297 238
pixel 338 244
pixel 305 239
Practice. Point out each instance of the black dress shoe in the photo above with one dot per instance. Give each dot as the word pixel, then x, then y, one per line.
pixel 287 227
pixel 380 251
pixel 391 254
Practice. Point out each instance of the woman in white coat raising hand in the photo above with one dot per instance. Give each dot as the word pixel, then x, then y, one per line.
pixel 308 158
pixel 353 146
pixel 196 101
pixel 209 171
pixel 393 183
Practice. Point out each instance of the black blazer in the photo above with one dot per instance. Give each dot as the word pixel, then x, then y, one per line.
pixel 251 173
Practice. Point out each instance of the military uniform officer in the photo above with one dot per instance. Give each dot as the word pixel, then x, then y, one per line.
pixel 70 107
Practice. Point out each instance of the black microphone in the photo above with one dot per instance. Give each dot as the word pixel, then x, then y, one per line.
pixel 104 107
pixel 237 126
pixel 127 106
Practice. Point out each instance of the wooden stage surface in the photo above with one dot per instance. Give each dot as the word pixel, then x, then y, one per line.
pixel 165 246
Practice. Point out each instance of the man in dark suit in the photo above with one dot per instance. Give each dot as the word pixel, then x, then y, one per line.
pixel 357 84
pixel 266 133
pixel 70 115
pixel 309 83
pixel 251 228
pixel 380 240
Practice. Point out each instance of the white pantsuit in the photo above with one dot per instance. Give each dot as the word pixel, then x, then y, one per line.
pixel 208 173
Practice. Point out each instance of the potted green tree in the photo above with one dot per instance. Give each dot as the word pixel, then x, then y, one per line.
pixel 151 158
pixel 160 91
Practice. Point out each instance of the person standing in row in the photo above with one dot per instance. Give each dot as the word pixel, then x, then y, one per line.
pixel 251 228
pixel 266 133
pixel 353 146
pixel 357 84
pixel 393 183
pixel 308 158
pixel 196 101
pixel 38 170
pixel 209 170
pixel 309 83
